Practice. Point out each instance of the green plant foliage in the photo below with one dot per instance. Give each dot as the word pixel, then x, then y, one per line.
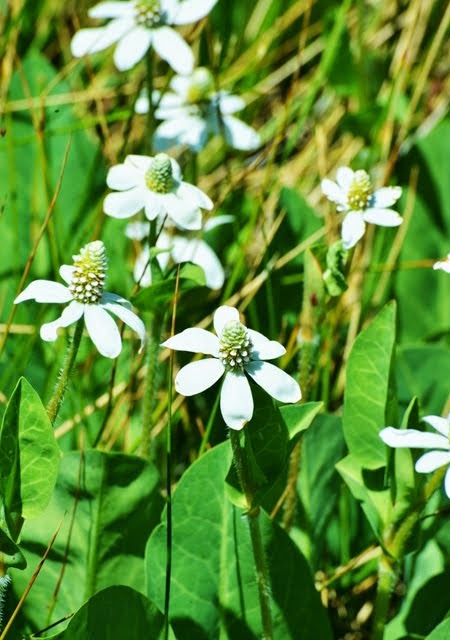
pixel 108 504
pixel 367 392
pixel 212 535
pixel 29 457
pixel 113 614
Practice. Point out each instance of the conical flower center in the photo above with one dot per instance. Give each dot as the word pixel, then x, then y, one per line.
pixel 359 193
pixel 201 85
pixel 235 346
pixel 149 13
pixel 89 273
pixel 159 178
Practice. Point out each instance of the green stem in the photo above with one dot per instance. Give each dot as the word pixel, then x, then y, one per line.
pixel 169 501
pixel 212 417
pixel 65 373
pixel 262 574
pixel 151 108
pixel 396 544
pixel 152 380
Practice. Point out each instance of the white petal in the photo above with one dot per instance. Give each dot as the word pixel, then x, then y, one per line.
pixel 443 264
pixel 124 204
pixel 263 348
pixel 192 10
pixel 115 299
pixel 173 49
pixel 155 205
pixel 181 85
pixel 142 272
pixel 171 103
pixel 353 228
pixel 447 482
pixel 102 330
pixel 230 104
pixel 112 10
pixel 130 319
pixel 344 177
pixel 92 40
pixel 198 252
pixel 279 384
pixel 440 424
pixel 239 135
pixel 333 192
pixel 191 131
pixel 198 376
pixel 223 316
pixel 183 213
pixel 195 196
pixel 123 177
pixel 383 217
pixel 142 104
pixel 385 197
pixel 72 313
pixel 137 230
pixel 413 439
pixel 132 48
pixel 212 223
pixel 45 291
pixel 66 272
pixel 194 340
pixel 141 163
pixel 236 401
pixel 432 460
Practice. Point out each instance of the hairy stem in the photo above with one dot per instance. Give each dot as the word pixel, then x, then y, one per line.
pixel 262 574
pixel 65 373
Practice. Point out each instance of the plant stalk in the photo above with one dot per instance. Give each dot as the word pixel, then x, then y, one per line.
pixel 65 373
pixel 262 573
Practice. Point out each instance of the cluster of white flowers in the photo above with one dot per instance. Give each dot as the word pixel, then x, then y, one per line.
pixel 193 111
pixel 352 192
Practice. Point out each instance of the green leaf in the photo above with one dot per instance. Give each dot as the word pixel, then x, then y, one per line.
pixel 114 614
pixel 368 487
pixel 367 392
pixel 298 417
pixel 29 455
pixel 109 503
pixel 213 589
pixel 161 293
pixel 442 631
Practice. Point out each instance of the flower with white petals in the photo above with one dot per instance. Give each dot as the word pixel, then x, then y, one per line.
pixel 413 439
pixel 155 185
pixel 138 25
pixel 193 112
pixel 86 297
pixel 352 192
pixel 236 351
pixel 444 264
pixel 178 249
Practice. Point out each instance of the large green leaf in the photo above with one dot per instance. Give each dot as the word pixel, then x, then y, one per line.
pixel 29 456
pixel 109 503
pixel 442 631
pixel 213 586
pixel 367 391
pixel 115 613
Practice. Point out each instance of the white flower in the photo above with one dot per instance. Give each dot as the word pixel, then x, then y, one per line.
pixel 193 112
pixel 439 442
pixel 140 24
pixel 443 264
pixel 155 185
pixel 179 249
pixel 353 192
pixel 236 351
pixel 85 295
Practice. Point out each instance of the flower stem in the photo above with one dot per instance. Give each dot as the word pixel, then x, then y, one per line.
pixel 151 109
pixel 65 373
pixel 262 574
pixel 152 380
